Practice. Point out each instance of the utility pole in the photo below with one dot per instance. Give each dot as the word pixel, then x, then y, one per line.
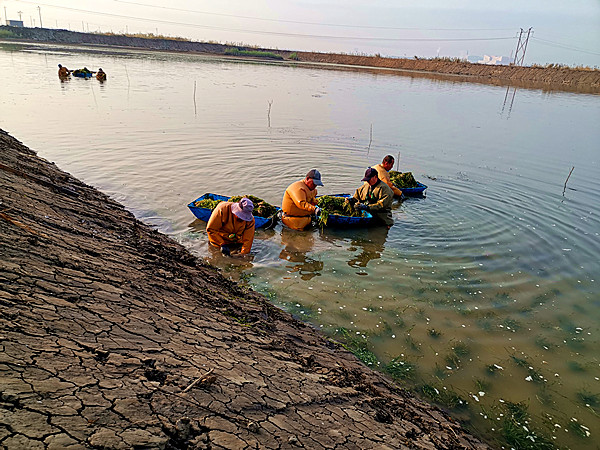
pixel 5 17
pixel 521 47
pixel 19 13
pixel 40 11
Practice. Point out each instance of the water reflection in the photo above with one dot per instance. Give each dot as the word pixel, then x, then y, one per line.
pixel 509 98
pixel 296 246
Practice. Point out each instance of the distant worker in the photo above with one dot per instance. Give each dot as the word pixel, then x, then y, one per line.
pixel 375 197
pixel 300 201
pixel 63 72
pixel 101 76
pixel 231 227
pixel 383 170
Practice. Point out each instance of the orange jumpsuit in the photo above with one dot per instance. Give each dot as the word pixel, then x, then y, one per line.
pixel 298 205
pixel 385 177
pixel 63 72
pixel 224 227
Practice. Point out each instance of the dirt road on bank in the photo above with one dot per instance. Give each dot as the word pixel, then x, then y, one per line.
pixel 114 336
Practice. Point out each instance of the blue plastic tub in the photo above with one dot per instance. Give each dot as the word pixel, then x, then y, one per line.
pixel 204 213
pixel 414 192
pixel 335 220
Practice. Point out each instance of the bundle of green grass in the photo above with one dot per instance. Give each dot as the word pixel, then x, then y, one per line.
pixel 403 180
pixel 261 208
pixel 334 205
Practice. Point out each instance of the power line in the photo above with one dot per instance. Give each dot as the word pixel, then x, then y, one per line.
pixel 273 33
pixel 563 46
pixel 308 23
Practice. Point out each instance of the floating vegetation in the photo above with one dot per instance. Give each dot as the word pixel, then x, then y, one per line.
pixel 533 374
pixel 443 396
pixel 403 180
pixel 261 208
pixel 517 431
pixel 482 385
pixel 544 343
pixel 334 205
pixel 401 369
pixel 511 324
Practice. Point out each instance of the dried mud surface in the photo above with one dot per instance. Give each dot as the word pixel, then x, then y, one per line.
pixel 113 336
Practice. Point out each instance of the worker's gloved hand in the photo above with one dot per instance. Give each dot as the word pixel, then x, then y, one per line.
pixel 226 250
pixel 232 237
pixel 351 201
pixel 359 207
pixel 317 211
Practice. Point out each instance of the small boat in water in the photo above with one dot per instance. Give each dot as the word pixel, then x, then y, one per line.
pixel 82 73
pixel 339 221
pixel 203 213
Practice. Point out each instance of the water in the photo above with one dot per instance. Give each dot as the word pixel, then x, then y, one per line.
pixel 487 288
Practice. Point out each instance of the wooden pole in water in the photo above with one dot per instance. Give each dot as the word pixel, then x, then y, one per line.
pixel 565 188
pixel 370 139
pixel 270 102
pixel 398 162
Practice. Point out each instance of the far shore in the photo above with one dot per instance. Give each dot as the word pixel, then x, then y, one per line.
pixel 552 77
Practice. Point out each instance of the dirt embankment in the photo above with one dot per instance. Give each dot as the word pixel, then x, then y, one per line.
pixel 114 336
pixel 554 78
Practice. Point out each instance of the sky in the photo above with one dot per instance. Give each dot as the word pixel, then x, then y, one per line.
pixel 565 32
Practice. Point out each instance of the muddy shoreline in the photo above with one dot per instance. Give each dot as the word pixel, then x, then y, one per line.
pixel 548 78
pixel 114 336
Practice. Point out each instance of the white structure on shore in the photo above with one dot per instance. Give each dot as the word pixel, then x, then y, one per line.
pixel 495 60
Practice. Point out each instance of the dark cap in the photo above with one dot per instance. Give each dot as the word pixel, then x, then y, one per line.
pixel 316 176
pixel 370 173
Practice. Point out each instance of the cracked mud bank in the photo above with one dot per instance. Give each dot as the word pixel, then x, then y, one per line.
pixel 114 336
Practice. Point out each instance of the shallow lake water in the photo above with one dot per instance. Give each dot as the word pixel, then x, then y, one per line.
pixel 484 294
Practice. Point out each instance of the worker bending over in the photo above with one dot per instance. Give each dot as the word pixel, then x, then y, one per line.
pixel 63 72
pixel 231 227
pixel 375 197
pixel 101 76
pixel 300 201
pixel 383 170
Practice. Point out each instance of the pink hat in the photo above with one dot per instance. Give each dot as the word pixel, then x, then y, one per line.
pixel 243 209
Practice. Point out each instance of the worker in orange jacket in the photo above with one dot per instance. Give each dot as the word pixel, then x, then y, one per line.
pixel 231 227
pixel 383 174
pixel 63 72
pixel 300 201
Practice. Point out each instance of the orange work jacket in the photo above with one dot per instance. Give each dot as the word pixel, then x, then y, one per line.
pixel 298 205
pixel 224 227
pixel 384 176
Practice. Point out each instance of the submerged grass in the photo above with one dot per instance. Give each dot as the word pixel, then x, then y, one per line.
pixel 254 53
pixel 518 433
pixel 443 396
pixel 400 369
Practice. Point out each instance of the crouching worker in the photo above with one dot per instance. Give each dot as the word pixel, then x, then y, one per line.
pixel 300 201
pixel 374 196
pixel 231 227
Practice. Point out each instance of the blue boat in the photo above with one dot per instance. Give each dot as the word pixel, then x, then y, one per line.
pixel 336 220
pixel 414 192
pixel 79 74
pixel 204 213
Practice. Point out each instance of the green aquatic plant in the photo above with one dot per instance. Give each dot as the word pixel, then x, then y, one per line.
pixel 579 430
pixel 403 180
pixel 434 333
pixel 443 396
pixel 400 369
pixel 517 431
pixel 588 399
pixel 261 207
pixel 359 346
pixel 461 349
pixel 207 203
pixel 334 205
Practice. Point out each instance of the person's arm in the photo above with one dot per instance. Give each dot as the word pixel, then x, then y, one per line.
pixel 248 238
pixel 299 199
pixel 386 179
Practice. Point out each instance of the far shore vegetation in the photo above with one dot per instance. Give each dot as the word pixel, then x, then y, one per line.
pixel 297 56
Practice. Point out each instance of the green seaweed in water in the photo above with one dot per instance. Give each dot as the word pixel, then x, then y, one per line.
pixel 400 369
pixel 518 433
pixel 403 180
pixel 334 205
pixel 444 397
